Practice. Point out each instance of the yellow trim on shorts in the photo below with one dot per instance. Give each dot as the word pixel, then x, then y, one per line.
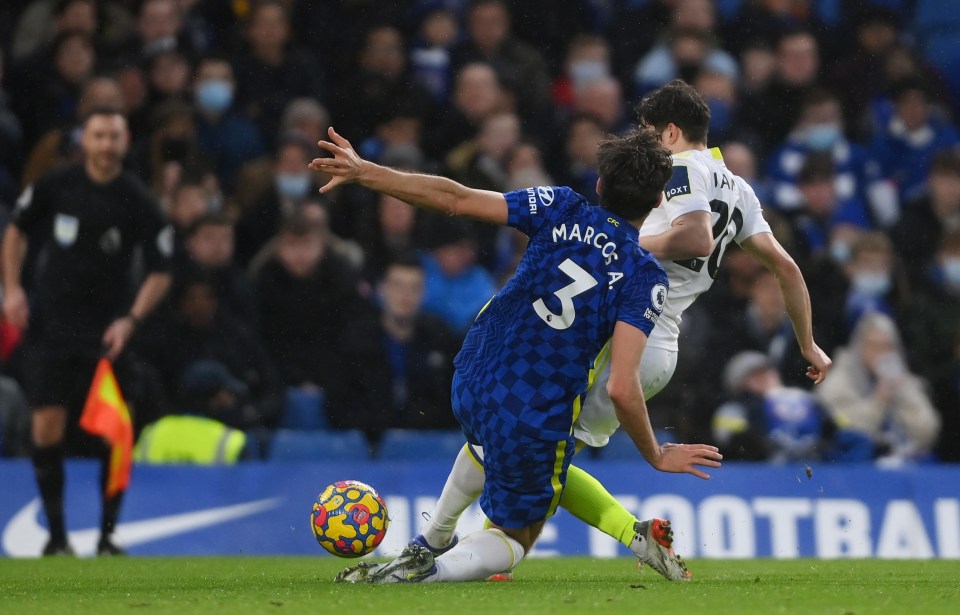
pixel 472 454
pixel 485 306
pixel 599 364
pixel 503 537
pixel 555 479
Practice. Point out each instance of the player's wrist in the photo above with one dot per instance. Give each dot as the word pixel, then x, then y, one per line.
pixel 133 319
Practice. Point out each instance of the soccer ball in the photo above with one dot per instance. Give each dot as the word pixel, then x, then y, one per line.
pixel 349 519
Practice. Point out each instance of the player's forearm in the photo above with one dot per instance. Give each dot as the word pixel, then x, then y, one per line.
pixel 152 291
pixel 635 420
pixel 14 248
pixel 426 191
pixel 689 237
pixel 796 298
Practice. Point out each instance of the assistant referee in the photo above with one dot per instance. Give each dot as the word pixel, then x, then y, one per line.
pixel 83 305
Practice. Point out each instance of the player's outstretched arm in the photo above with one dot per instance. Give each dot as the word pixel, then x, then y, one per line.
pixel 766 249
pixel 427 191
pixel 626 349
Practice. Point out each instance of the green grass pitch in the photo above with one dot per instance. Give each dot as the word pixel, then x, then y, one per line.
pixel 565 585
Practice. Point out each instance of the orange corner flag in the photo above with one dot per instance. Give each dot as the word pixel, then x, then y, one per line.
pixel 105 414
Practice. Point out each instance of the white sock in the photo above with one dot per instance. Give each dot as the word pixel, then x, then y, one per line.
pixel 478 556
pixel 463 487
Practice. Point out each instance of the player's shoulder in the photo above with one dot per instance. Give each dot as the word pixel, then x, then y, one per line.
pixel 133 185
pixel 549 201
pixel 60 176
pixel 643 262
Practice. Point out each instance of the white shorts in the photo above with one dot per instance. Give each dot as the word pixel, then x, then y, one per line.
pixel 598 418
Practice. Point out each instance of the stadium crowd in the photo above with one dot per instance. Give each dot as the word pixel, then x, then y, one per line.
pixel 344 311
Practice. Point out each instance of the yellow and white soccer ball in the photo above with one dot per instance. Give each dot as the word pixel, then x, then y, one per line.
pixel 349 519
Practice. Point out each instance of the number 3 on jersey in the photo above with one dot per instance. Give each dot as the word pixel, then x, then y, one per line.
pixel 582 282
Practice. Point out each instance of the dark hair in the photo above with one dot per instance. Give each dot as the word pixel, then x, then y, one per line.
pixel 62 38
pixel 293 138
pixel 945 162
pixel 676 103
pixel 257 5
pixel 213 57
pixel 475 4
pixel 299 227
pixel 101 111
pixel 216 218
pixel 905 85
pixel 61 6
pixel 633 171
pixel 817 97
pixel 407 259
pixel 950 241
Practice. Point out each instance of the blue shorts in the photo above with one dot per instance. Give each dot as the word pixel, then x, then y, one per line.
pixel 524 475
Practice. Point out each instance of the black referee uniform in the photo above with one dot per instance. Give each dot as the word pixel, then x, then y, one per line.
pixel 83 282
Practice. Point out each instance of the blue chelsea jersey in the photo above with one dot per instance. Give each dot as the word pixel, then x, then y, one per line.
pixel 528 355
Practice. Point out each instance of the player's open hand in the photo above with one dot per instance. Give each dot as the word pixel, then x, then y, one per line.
pixel 683 458
pixel 345 166
pixel 820 364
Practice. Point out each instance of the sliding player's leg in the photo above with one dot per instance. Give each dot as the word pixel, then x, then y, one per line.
pixel 524 480
pixel 463 487
pixel 583 496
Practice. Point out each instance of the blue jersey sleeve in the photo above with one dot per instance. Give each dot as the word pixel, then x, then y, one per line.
pixel 530 209
pixel 645 296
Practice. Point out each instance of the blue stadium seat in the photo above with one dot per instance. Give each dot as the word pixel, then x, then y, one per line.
pixel 294 445
pixel 936 16
pixel 415 445
pixel 943 51
pixel 303 409
pixel 728 9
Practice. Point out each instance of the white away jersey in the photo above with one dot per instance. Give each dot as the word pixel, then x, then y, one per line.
pixel 700 182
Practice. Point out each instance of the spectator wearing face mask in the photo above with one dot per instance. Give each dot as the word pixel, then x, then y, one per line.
pixel 860 191
pixel 227 139
pixel 876 283
pixel 871 391
pixel 588 59
pixel 293 185
pixel 686 51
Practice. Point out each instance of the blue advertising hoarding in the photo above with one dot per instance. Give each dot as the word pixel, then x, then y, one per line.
pixel 743 511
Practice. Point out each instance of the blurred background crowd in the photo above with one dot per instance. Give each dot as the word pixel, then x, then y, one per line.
pixel 295 312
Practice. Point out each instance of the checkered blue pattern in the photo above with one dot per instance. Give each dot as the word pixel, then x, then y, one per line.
pixel 516 363
pixel 523 474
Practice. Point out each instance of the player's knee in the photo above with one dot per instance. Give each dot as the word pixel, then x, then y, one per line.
pixel 517 549
pixel 48 426
pixel 523 537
